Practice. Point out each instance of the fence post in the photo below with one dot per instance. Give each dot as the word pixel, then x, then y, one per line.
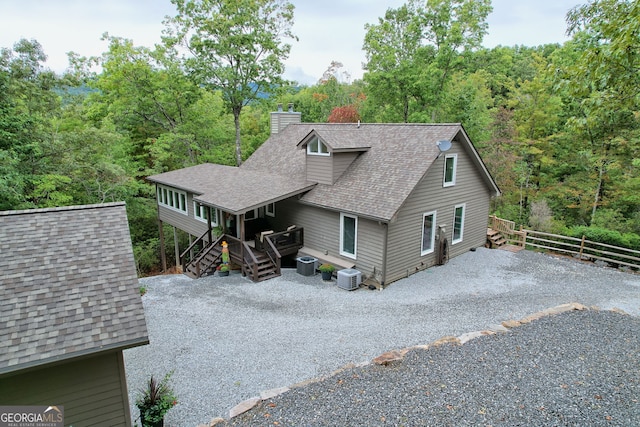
pixel 524 236
pixel 582 246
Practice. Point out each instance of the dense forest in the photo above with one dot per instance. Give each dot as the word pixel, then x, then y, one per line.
pixel 558 126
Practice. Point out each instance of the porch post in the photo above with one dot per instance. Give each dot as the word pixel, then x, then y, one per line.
pixel 209 224
pixel 163 255
pixel 175 244
pixel 241 216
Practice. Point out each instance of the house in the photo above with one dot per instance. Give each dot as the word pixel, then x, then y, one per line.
pixel 386 199
pixel 69 305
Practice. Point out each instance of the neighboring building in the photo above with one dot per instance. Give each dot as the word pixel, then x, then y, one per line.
pixel 387 199
pixel 69 305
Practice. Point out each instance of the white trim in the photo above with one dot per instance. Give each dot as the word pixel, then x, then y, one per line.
pixel 355 236
pixel 320 144
pixel 446 183
pixel 270 212
pixel 433 233
pixel 200 216
pixel 173 199
pixel 453 232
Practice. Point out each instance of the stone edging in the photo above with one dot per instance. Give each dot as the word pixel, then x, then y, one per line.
pixel 397 355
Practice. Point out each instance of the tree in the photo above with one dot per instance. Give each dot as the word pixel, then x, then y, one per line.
pixel 413 51
pixel 235 46
pixel 28 103
pixel 391 48
pixel 602 83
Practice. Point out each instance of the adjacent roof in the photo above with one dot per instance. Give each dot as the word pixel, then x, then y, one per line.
pixel 68 285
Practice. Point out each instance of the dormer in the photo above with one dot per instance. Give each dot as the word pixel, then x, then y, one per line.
pixel 330 152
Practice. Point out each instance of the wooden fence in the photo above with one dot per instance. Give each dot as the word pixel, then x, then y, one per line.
pixel 581 248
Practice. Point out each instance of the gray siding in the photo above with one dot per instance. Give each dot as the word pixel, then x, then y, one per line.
pixel 92 390
pixel 322 233
pixel 405 234
pixel 320 169
pixel 187 223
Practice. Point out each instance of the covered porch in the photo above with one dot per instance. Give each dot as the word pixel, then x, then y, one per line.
pixel 238 207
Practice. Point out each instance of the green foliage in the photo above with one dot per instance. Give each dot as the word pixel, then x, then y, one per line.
pixel 235 46
pixel 326 268
pixel 603 235
pixel 155 400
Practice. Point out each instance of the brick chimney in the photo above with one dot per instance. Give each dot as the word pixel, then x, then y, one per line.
pixel 281 119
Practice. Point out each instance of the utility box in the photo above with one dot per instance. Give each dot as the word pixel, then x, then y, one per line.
pixel 349 279
pixel 306 265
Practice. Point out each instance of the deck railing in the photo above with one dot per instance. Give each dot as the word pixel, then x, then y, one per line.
pixel 581 248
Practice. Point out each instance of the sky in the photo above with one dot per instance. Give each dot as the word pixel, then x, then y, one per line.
pixel 328 30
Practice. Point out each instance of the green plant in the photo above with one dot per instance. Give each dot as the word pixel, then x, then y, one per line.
pixel 223 267
pixel 143 290
pixel 155 400
pixel 326 268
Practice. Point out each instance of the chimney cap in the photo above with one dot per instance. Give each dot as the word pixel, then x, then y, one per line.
pixel 291 107
pixel 279 108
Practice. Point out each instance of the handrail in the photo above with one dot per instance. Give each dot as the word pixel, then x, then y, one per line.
pixel 580 247
pixel 248 252
pixel 204 248
pixel 278 261
pixel 192 245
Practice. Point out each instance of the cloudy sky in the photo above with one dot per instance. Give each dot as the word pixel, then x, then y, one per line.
pixel 328 30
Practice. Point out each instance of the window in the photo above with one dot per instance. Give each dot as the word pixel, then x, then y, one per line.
pixel 252 214
pixel 317 147
pixel 450 170
pixel 348 235
pixel 458 224
pixel 270 209
pixel 428 232
pixel 201 213
pixel 172 199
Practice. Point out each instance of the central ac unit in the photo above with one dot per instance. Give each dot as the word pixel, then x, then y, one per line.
pixel 349 279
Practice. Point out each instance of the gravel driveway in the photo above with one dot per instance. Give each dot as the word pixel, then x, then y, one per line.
pixel 228 339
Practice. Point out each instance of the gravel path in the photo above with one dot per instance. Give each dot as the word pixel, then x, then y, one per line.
pixel 228 339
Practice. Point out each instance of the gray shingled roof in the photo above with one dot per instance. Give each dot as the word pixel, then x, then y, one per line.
pixel 68 285
pixel 379 181
pixel 233 189
pixel 340 138
pixel 394 159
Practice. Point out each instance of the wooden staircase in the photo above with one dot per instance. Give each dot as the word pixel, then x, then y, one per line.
pixel 204 262
pixel 495 239
pixel 265 268
pixel 257 264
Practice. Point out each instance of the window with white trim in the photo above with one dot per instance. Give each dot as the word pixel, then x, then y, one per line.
pixel 458 223
pixel 172 199
pixel 317 148
pixel 450 164
pixel 202 212
pixel 270 209
pixel 348 235
pixel 428 232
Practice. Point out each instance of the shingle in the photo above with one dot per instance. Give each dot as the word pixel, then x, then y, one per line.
pixel 393 160
pixel 395 157
pixel 60 252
